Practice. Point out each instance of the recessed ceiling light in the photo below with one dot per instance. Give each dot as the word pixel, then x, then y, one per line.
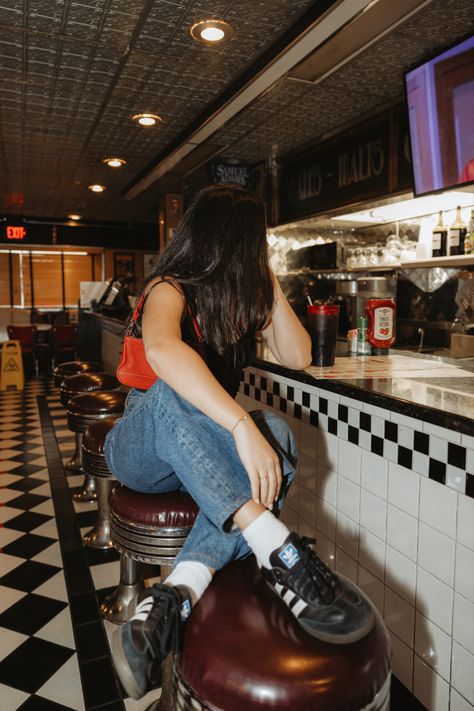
pixel 146 119
pixel 74 217
pixel 114 162
pixel 211 31
pixel 97 188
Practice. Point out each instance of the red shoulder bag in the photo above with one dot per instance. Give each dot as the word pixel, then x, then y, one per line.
pixel 134 369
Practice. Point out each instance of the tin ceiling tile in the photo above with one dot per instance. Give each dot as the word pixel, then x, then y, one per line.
pixel 76 106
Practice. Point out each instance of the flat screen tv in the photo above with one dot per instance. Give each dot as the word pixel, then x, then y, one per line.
pixel 440 97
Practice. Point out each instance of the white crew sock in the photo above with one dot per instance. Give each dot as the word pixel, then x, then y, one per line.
pixel 194 575
pixel 264 535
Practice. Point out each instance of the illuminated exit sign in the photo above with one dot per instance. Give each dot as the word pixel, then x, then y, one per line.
pixel 15 232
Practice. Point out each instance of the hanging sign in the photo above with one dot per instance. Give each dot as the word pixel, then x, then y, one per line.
pixel 229 171
pixel 340 171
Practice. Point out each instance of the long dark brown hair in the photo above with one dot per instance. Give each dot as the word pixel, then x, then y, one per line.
pixel 219 255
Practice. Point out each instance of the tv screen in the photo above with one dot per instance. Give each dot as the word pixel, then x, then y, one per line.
pixel 440 96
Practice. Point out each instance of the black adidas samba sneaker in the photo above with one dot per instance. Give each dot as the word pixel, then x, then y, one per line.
pixel 326 605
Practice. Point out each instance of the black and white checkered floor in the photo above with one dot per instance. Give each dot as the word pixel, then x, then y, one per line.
pixel 54 652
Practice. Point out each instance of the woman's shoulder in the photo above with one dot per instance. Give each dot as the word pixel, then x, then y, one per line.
pixel 163 280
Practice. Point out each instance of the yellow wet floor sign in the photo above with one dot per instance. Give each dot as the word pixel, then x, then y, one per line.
pixel 11 373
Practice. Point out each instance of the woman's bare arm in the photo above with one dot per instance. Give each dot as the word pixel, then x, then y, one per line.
pixel 289 342
pixel 178 365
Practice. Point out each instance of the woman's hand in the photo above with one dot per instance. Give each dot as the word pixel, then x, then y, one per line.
pixel 260 461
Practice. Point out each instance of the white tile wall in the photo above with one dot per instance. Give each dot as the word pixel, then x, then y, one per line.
pixel 399 617
pixel 402 532
pixel 434 599
pixel 459 703
pixel 306 478
pixel 373 514
pixel 436 553
pixel 308 445
pixel 374 474
pixel 348 460
pixel 400 574
pixel 307 508
pixel 373 588
pixel 433 646
pixel 465 523
pixel 430 688
pixel 463 622
pixel 407 540
pixel 326 519
pixel 348 498
pixel 403 488
pixel 464 577
pixel 402 661
pixel 327 484
pixel 347 534
pixel 462 672
pixel 438 506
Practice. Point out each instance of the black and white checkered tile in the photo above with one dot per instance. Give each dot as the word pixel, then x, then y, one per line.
pixel 427 450
pixel 54 652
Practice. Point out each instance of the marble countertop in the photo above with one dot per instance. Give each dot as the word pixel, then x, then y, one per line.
pixel 435 389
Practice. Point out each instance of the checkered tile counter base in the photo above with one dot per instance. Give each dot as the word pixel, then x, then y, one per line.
pixel 389 499
pixel 438 453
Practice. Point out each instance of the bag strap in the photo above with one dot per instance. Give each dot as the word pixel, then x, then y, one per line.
pixel 141 303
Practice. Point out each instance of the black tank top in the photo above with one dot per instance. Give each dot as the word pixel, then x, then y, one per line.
pixel 226 367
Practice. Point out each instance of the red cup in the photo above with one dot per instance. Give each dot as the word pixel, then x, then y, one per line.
pixel 323 321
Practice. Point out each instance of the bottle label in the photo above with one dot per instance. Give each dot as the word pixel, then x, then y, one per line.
pixel 436 241
pixel 454 238
pixel 383 323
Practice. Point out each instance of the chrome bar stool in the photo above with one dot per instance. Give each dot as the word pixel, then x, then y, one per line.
pixel 83 383
pixel 85 409
pixel 95 466
pixel 73 367
pixel 145 528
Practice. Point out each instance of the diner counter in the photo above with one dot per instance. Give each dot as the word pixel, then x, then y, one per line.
pixel 437 390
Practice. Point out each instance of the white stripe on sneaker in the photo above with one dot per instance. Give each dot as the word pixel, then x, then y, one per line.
pixel 288 597
pixel 142 610
pixel 296 609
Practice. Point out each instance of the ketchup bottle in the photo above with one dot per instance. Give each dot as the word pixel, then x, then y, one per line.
pixel 381 326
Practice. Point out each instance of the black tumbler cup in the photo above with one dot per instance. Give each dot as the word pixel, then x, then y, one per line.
pixel 322 326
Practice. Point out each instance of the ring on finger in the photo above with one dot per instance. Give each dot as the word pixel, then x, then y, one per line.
pixel 263 477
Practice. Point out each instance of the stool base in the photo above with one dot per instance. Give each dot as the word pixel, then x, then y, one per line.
pixel 119 605
pixel 88 491
pixel 75 463
pixel 99 536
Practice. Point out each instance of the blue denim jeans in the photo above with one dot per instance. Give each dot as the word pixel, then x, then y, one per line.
pixel 163 443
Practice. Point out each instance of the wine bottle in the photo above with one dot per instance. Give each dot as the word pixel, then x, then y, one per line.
pixel 439 238
pixel 457 234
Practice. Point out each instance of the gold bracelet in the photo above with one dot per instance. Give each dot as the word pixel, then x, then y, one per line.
pixel 241 419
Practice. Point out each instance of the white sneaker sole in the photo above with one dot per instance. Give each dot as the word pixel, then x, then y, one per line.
pixel 122 667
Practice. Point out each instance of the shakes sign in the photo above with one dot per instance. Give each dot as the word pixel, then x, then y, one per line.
pixel 356 166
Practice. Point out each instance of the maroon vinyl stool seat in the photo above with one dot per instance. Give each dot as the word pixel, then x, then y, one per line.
pixel 73 367
pixel 145 528
pixel 72 385
pixel 244 651
pixel 85 409
pixel 95 466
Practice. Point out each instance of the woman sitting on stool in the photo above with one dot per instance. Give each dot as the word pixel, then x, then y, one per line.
pixel 212 283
